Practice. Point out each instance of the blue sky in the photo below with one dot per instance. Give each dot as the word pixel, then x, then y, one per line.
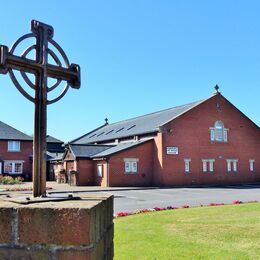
pixel 138 57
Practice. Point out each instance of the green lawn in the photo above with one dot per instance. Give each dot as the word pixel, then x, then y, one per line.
pixel 222 232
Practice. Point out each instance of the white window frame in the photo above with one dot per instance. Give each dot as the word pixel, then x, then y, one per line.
pixel 0 167
pixel 187 162
pixel 127 167
pixel 217 131
pixel 232 165
pixel 131 165
pixel 14 146
pixel 100 170
pixel 208 165
pixel 251 165
pixel 13 166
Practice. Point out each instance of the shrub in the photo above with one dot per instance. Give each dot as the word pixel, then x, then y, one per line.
pixel 18 180
pixel 11 180
pixel 7 180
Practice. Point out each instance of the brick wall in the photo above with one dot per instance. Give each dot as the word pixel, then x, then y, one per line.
pixel 190 133
pixel 144 176
pixel 66 230
pixel 86 171
pixel 101 180
pixel 24 155
pixel 158 160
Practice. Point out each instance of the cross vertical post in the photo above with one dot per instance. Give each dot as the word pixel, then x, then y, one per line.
pixel 42 32
pixel 42 70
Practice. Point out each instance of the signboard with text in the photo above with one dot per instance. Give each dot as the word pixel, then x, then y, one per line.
pixel 172 150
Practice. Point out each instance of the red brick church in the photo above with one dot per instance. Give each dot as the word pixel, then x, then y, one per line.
pixel 205 142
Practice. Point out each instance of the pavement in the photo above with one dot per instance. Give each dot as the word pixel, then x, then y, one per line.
pixel 128 199
pixel 54 187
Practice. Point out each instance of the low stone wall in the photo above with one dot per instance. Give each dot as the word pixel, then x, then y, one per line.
pixel 77 229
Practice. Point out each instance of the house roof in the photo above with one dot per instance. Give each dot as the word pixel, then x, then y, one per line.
pixel 9 133
pixel 120 147
pixel 87 151
pixel 136 126
pixel 54 156
pixel 51 139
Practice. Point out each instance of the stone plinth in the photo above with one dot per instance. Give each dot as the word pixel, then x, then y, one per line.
pixel 78 229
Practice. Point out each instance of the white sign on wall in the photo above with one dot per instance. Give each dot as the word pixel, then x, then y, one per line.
pixel 172 150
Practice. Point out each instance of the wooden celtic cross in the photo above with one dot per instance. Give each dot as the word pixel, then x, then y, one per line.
pixel 42 71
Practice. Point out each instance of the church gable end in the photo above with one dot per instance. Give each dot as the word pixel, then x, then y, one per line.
pixel 202 145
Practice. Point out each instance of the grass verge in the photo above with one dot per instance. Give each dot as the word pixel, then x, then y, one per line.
pixel 223 232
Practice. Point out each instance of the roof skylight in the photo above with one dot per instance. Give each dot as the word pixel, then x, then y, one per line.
pixel 130 127
pixel 119 129
pixel 100 134
pixel 109 131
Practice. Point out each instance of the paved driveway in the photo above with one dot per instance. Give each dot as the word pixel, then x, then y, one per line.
pixel 130 200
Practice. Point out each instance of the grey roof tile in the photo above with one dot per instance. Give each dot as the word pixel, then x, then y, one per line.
pixel 9 133
pixel 136 126
pixel 51 139
pixel 120 147
pixel 54 156
pixel 88 150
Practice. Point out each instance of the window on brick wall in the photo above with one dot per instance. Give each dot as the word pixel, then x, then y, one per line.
pixel 131 165
pixel 208 165
pixel 251 165
pixel 14 146
pixel 100 170
pixel 187 165
pixel 218 133
pixel 232 165
pixel 13 167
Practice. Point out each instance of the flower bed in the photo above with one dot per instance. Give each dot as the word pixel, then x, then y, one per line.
pixel 186 206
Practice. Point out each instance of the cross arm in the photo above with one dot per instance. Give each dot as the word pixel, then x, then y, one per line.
pixel 10 61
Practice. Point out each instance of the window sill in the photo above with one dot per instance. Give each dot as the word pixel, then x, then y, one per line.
pixel 219 142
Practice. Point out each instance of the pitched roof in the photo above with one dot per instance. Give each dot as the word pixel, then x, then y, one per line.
pixel 139 125
pixel 87 151
pixel 120 147
pixel 54 156
pixel 51 139
pixel 9 133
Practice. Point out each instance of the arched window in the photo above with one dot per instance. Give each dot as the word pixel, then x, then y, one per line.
pixel 218 133
pixel 219 125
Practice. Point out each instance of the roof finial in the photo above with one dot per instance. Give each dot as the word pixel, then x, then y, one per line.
pixel 216 89
pixel 106 121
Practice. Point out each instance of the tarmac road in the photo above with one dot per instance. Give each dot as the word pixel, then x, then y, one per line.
pixel 128 199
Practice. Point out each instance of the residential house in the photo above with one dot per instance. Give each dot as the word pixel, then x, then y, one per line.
pixel 15 152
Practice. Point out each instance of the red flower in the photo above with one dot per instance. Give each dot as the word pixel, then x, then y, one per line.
pixel 122 214
pixel 157 208
pixel 216 204
pixel 237 202
pixel 145 210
